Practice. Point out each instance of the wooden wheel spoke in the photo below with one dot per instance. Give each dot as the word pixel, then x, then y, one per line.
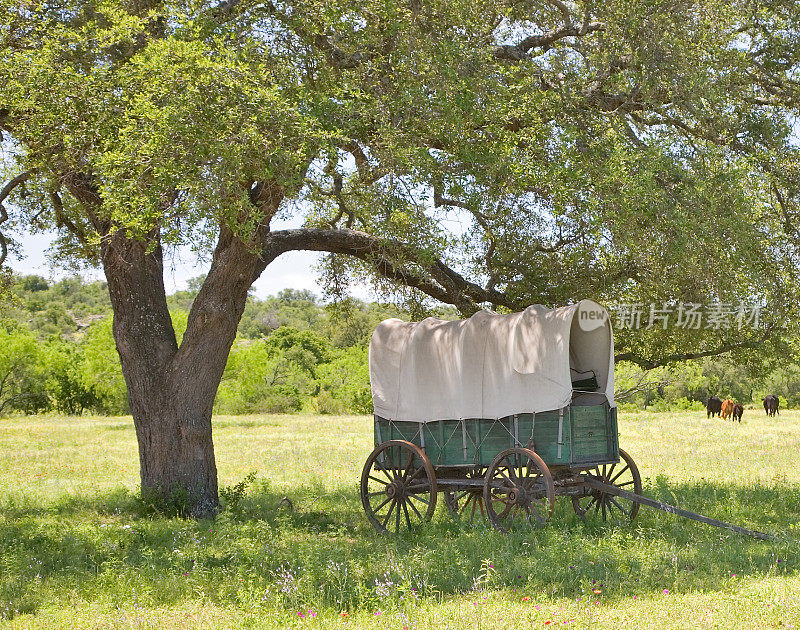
pixel 542 502
pixel 512 470
pixel 419 498
pixel 621 509
pixel 389 513
pixel 382 504
pixel 618 475
pixel 414 507
pixel 463 494
pixel 409 466
pixel 380 467
pixel 505 476
pixel 532 511
pixel 417 472
pixel 509 507
pixel 397 520
pixel 405 512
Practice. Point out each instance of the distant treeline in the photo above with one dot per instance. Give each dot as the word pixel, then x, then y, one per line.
pixel 292 354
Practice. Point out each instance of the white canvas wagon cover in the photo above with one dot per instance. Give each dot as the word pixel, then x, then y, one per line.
pixel 490 365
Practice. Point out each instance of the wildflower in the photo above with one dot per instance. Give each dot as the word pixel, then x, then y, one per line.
pixel 377 612
pixel 301 615
pixel 666 591
pixel 596 591
pixel 548 622
pixel 526 599
pixel 344 614
pixel 311 613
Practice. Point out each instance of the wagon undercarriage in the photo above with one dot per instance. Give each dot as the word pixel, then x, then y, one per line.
pixel 400 488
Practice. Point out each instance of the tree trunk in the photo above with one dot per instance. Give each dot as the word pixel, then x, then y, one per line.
pixel 171 390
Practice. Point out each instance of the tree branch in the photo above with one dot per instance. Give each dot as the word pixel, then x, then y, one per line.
pixel 7 190
pixel 649 363
pixel 642 385
pixel 517 52
pixel 388 258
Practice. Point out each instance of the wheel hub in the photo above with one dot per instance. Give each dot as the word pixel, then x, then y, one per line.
pixel 396 490
pixel 517 495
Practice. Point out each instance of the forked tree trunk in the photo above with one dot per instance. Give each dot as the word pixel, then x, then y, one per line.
pixel 171 390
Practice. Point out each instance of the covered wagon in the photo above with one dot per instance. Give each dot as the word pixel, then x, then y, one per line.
pixel 500 413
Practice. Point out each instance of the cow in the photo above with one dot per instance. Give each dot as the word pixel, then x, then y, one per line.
pixel 738 410
pixel 713 406
pixel 727 409
pixel 771 405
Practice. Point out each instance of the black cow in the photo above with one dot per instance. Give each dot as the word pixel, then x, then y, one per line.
pixel 713 406
pixel 771 405
pixel 738 410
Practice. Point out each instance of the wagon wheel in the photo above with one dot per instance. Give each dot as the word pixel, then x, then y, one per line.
pixel 518 490
pixel 624 475
pixel 398 487
pixel 467 500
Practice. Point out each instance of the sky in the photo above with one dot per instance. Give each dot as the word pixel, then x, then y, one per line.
pixel 293 270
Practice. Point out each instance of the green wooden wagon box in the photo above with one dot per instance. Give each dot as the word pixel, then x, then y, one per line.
pixel 574 436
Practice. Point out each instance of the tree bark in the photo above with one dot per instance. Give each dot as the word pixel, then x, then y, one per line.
pixel 171 390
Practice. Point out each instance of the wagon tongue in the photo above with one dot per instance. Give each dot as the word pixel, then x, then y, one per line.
pixel 666 507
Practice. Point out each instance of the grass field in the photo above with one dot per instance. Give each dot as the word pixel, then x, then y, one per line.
pixel 78 549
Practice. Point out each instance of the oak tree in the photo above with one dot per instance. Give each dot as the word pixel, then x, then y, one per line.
pixel 480 154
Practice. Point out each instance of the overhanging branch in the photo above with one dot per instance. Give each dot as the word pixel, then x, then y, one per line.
pixel 388 258
pixel 650 363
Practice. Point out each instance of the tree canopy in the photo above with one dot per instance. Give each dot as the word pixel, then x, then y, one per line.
pixel 491 153
pixel 480 154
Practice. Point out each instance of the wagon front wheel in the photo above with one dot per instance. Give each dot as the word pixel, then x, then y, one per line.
pixel 624 475
pixel 398 487
pixel 518 490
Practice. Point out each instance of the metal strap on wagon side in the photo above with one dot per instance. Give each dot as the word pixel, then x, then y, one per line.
pixel 560 431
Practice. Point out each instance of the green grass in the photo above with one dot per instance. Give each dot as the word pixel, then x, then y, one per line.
pixel 78 549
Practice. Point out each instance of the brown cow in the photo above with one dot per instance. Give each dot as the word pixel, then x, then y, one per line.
pixel 738 410
pixel 727 409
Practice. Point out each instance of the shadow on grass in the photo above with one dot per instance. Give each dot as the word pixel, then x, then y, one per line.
pixel 316 546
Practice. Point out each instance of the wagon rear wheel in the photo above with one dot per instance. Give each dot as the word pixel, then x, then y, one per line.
pixel 467 502
pixel 624 475
pixel 518 490
pixel 398 487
